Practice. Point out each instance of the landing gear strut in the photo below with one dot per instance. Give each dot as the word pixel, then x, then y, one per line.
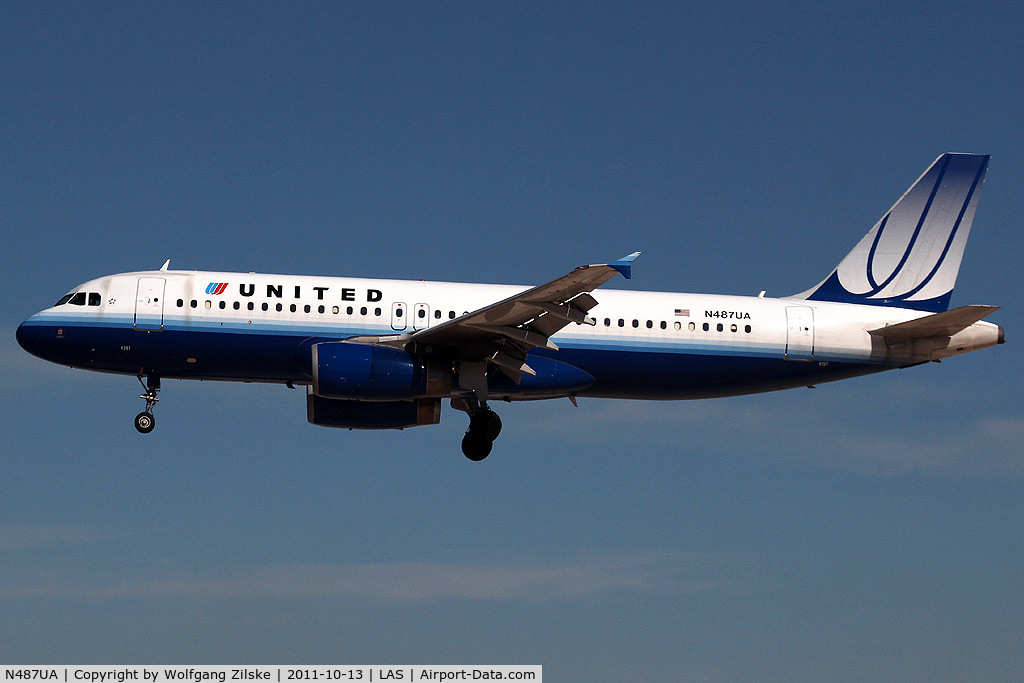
pixel 484 427
pixel 144 421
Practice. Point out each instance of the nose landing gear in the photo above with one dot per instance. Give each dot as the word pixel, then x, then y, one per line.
pixel 484 427
pixel 144 421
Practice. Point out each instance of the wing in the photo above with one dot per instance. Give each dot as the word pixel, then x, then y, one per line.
pixel 504 332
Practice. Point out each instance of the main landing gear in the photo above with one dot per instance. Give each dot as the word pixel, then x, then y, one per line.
pixel 484 427
pixel 144 421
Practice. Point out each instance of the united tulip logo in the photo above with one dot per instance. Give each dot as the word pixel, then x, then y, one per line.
pixel 216 288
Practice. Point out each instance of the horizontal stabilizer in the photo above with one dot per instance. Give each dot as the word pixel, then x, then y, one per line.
pixel 944 324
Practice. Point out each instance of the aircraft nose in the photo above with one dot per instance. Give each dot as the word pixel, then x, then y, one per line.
pixel 22 336
pixel 33 337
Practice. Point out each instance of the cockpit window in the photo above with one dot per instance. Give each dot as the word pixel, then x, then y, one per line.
pixel 64 299
pixel 78 299
pixel 94 299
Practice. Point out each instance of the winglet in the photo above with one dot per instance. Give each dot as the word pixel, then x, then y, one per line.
pixel 625 265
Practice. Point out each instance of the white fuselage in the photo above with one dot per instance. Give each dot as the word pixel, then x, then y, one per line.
pixel 235 326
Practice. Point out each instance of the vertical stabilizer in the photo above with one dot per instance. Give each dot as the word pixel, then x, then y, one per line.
pixel 912 256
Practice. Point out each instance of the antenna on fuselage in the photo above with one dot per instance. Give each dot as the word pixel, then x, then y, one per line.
pixel 166 265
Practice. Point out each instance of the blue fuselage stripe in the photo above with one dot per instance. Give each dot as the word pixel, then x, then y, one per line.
pixel 272 352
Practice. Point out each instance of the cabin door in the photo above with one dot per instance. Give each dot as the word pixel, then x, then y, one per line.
pixel 149 303
pixel 799 333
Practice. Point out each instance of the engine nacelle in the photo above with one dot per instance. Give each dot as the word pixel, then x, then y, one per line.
pixel 370 372
pixel 553 379
pixel 349 414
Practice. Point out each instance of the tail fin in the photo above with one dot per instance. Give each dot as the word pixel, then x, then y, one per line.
pixel 911 257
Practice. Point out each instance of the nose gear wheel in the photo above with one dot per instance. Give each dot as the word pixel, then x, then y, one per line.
pixel 144 421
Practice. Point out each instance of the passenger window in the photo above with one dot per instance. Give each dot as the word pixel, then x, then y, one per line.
pixel 306 308
pixel 376 312
pixel 292 308
pixel 747 329
pixel 265 306
pixel 334 310
pixel 362 311
pixel 78 299
pixel 607 322
pixel 719 327
pixel 733 328
pixel 209 305
pixel 437 315
pixel 451 315
pixel 691 326
pixel 622 323
pixel 320 308
pixel 348 310
pixel 399 312
pixel 650 325
pixel 193 303
pixel 706 327
pixel 235 306
pixel 279 307
pixel 180 303
pixel 422 313
pixel 223 305
pixel 636 323
pixel 251 306
pixel 664 325
pixel 679 325
pixel 94 299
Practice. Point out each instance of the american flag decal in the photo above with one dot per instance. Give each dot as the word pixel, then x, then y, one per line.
pixel 685 312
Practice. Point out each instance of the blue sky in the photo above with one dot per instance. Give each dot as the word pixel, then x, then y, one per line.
pixel 863 530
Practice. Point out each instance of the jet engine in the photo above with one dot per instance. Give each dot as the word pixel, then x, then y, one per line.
pixel 371 372
pixel 351 414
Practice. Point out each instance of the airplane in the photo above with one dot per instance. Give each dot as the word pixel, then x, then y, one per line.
pixel 382 354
